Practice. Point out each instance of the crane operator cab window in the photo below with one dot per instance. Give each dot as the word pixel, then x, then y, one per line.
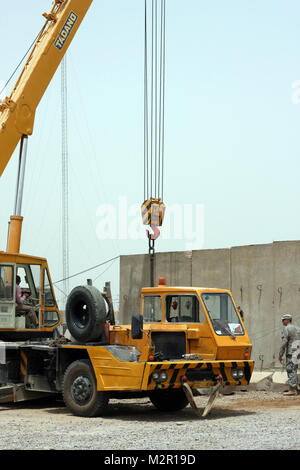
pixel 152 308
pixel 28 296
pixel 223 314
pixel 6 283
pixel 184 309
pixel 7 296
pixel 50 314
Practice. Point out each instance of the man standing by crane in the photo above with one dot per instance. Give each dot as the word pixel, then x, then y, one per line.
pixel 289 334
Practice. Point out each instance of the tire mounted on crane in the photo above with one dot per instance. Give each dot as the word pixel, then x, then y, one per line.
pixel 86 314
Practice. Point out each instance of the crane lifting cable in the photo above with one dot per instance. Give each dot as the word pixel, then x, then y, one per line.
pixel 153 208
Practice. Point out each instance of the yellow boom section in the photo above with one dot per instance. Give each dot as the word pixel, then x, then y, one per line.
pixel 18 111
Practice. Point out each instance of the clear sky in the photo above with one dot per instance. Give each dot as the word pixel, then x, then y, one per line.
pixel 232 129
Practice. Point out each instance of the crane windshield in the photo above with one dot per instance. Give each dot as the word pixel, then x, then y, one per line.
pixel 223 314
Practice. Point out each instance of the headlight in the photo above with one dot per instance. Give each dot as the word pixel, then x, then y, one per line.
pixel 155 376
pixel 159 376
pixel 163 376
pixel 237 373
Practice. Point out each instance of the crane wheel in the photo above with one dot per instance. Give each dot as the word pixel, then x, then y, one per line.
pixel 173 399
pixel 80 390
pixel 86 314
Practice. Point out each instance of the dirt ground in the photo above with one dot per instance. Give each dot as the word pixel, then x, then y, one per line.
pixel 261 402
pixel 244 420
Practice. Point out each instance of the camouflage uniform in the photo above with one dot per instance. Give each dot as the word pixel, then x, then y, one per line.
pixel 289 334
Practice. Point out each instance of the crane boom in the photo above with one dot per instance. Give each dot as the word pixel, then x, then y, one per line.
pixel 17 112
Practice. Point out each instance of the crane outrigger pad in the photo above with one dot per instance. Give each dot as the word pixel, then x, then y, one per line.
pixel 189 394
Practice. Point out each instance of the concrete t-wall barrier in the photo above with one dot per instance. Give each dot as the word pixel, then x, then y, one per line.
pixel 252 285
pixel 211 268
pixel 264 280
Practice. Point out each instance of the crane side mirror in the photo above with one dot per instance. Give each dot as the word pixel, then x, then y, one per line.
pixel 137 323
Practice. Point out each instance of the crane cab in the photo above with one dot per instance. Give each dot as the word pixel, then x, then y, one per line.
pixel 37 296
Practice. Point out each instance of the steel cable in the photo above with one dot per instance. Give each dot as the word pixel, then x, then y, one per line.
pixel 146 111
pixel 154 101
pixel 19 64
pixel 87 270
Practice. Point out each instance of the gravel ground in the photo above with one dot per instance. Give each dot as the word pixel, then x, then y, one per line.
pixel 245 420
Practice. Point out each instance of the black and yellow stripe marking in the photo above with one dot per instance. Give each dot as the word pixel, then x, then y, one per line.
pixel 23 364
pixel 175 369
pixel 146 212
pixel 216 368
pixel 153 211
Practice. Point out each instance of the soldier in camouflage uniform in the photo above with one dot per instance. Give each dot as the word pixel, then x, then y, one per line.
pixel 289 334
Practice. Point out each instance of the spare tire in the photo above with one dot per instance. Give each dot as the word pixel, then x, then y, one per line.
pixel 85 313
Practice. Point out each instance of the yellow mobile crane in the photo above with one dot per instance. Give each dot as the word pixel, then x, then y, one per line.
pixel 18 110
pixel 183 339
pixel 17 114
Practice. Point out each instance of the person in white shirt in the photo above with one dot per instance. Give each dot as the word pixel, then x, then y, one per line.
pixel 22 308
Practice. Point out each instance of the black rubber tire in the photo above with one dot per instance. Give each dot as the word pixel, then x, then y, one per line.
pixel 80 390
pixel 173 399
pixel 85 314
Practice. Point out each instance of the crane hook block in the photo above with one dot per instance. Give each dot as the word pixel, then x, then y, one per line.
pixel 153 211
